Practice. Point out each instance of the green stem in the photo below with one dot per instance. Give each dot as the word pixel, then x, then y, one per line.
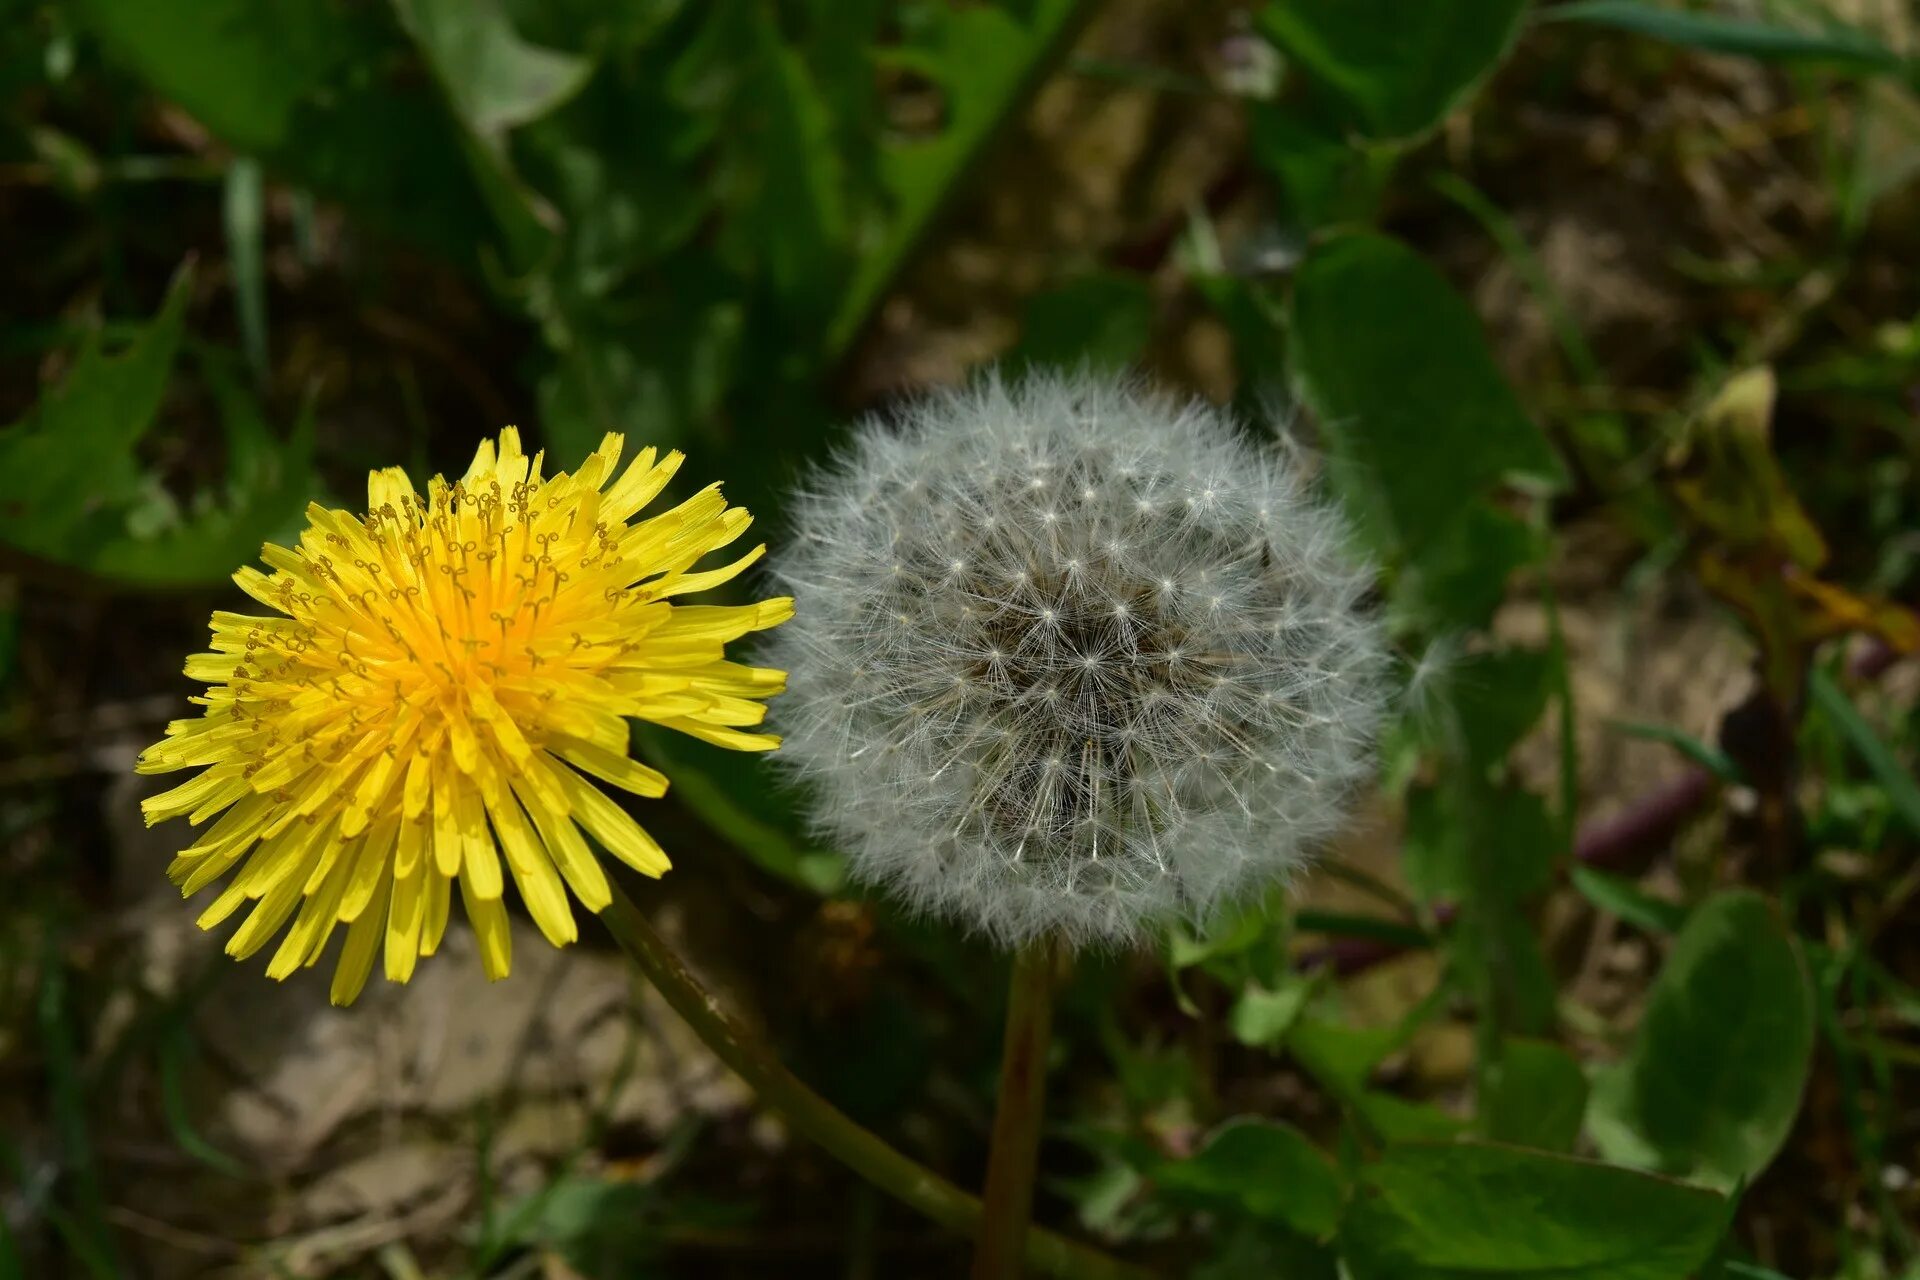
pixel 859 1149
pixel 1014 1158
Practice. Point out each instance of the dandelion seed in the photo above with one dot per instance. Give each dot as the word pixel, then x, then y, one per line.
pixel 1073 717
pixel 442 678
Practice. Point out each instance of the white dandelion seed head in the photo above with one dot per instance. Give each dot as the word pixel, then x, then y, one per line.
pixel 1072 658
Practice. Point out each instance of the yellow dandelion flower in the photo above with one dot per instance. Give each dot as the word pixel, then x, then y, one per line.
pixel 443 678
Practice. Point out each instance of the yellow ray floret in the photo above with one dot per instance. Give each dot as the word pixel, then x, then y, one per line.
pixel 442 683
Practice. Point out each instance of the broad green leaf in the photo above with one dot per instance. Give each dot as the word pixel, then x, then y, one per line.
pixel 1466 1211
pixel 495 80
pixel 1265 1169
pixel 985 62
pixel 1102 319
pixel 1400 67
pixel 308 86
pixel 1837 45
pixel 67 470
pixel 1627 900
pixel 1534 1096
pixel 1257 1249
pixel 241 67
pixel 1496 698
pixel 1714 1079
pixel 1475 840
pixel 1340 1058
pixel 1262 1017
pixel 1458 578
pixel 1395 367
pixel 1321 177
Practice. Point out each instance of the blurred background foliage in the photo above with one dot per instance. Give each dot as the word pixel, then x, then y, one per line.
pixel 1600 316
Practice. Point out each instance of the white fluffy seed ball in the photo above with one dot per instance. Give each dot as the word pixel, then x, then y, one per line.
pixel 1071 658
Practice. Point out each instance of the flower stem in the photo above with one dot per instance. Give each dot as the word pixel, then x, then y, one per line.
pixel 1013 1160
pixel 1047 1252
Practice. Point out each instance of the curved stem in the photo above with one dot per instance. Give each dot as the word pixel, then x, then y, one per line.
pixel 1014 1159
pixel 858 1148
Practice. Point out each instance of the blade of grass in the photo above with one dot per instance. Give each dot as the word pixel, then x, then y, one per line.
pixel 244 213
pixel 86 1229
pixel 1878 756
pixel 1838 45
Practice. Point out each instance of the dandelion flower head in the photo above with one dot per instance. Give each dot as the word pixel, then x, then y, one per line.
pixel 444 681
pixel 1073 658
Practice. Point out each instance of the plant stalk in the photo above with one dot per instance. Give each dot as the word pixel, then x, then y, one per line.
pixel 1046 1252
pixel 1014 1158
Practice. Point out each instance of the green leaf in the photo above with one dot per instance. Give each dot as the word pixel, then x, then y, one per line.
pixel 1627 900
pixel 656 367
pixel 1262 1018
pixel 1457 579
pixel 71 489
pixel 67 470
pixel 495 80
pixel 984 61
pixel 1534 1095
pixel 1705 754
pixel 1320 176
pixel 1102 319
pixel 1256 1249
pixel 1401 68
pixel 1479 841
pixel 1885 766
pixel 1340 1058
pixel 242 67
pixel 1497 697
pixel 1714 1079
pixel 308 86
pixel 268 485
pixel 1266 1169
pixel 1845 47
pixel 1395 366
pixel 1467 1211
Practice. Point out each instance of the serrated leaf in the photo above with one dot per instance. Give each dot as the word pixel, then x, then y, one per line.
pixel 1396 368
pixel 262 503
pixel 1265 1169
pixel 1469 1211
pixel 984 61
pixel 1401 68
pixel 1713 1083
pixel 67 470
